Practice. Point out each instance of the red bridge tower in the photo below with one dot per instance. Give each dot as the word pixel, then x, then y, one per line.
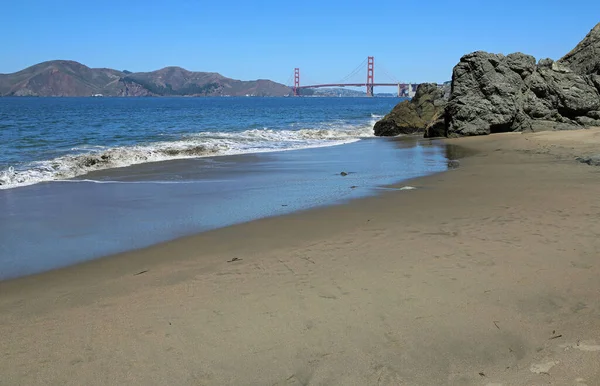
pixel 370 76
pixel 296 81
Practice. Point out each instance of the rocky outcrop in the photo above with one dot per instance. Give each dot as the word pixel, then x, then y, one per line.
pixel 585 58
pixel 495 93
pixel 436 127
pixel 417 115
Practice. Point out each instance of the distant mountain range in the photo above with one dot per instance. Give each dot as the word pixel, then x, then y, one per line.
pixel 69 79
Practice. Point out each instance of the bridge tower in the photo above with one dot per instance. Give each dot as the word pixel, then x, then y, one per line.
pixel 296 81
pixel 370 75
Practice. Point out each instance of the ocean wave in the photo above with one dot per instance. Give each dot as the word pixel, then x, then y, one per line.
pixel 85 159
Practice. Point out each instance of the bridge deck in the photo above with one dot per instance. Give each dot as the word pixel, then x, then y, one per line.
pixel 353 85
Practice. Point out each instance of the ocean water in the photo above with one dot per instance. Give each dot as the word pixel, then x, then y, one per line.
pixel 49 139
pixel 82 178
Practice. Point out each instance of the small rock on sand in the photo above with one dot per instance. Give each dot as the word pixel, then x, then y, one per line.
pixel 453 164
pixel 591 160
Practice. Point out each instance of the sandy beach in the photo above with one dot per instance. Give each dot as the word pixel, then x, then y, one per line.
pixel 484 275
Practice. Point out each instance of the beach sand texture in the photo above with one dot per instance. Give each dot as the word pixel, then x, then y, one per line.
pixel 488 274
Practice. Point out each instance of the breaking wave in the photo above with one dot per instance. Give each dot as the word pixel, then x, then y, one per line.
pixel 205 144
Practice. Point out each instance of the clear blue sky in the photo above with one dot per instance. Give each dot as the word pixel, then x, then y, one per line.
pixel 416 40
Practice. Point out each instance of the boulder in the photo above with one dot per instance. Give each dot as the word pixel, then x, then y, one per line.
pixel 571 95
pixel 495 93
pixel 488 91
pixel 414 116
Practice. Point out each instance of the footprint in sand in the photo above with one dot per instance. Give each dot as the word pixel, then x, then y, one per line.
pixel 542 368
pixel 583 346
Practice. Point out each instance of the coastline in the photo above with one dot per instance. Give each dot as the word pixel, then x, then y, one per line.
pixel 185 241
pixel 126 209
pixel 474 272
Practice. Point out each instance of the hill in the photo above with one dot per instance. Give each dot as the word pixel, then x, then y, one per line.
pixel 179 81
pixel 69 78
pixel 338 92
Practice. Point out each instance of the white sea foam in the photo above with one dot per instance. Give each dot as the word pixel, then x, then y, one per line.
pixel 85 159
pixel 138 182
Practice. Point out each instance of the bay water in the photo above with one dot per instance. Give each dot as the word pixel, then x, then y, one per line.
pixel 82 178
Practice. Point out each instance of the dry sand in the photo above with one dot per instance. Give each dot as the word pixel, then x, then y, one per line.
pixel 484 275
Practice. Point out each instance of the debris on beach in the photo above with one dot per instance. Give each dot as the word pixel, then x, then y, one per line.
pixel 554 335
pixel 453 164
pixel 592 161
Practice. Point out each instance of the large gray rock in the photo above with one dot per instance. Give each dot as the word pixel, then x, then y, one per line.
pixel 415 115
pixel 487 93
pixel 496 93
pixel 493 93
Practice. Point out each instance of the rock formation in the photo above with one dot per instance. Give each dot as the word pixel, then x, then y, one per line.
pixel 496 93
pixel 415 115
pixel 493 93
pixel 585 58
pixel 436 127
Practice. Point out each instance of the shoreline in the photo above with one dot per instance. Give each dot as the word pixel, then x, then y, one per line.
pixel 133 211
pixel 462 276
pixel 113 261
pixel 209 156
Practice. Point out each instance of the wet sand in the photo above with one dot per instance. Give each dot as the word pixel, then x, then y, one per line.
pixel 484 275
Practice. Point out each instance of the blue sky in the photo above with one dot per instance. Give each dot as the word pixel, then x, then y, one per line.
pixel 415 40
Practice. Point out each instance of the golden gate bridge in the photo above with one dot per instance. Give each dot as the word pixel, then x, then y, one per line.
pixel 404 89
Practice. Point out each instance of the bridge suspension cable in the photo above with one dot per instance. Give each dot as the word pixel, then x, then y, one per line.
pixel 381 67
pixel 360 68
